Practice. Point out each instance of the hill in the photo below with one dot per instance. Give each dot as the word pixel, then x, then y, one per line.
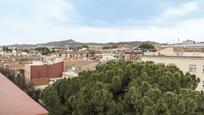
pixel 70 42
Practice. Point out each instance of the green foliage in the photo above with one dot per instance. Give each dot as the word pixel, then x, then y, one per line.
pixel 6 49
pixel 85 46
pixel 111 46
pixel 52 100
pixel 146 46
pixel 126 88
pixel 44 50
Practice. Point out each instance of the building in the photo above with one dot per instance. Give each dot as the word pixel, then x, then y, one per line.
pixel 132 55
pixel 192 64
pixel 188 42
pixel 74 67
pixel 70 63
pixel 188 59
pixel 16 102
pixel 178 51
pixel 40 74
pixel 82 54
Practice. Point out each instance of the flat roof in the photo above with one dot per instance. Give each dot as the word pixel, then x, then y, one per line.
pixel 184 57
pixel 14 101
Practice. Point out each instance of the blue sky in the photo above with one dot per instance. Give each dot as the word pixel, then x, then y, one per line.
pixel 37 21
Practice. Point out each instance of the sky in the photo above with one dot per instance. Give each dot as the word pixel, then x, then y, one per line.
pixel 41 21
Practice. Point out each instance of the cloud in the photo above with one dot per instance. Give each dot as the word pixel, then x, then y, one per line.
pixel 53 9
pixel 191 29
pixel 176 12
pixel 35 27
pixel 181 10
pixel 43 10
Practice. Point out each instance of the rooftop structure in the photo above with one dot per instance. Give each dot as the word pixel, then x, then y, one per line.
pixel 188 42
pixel 179 51
pixel 198 45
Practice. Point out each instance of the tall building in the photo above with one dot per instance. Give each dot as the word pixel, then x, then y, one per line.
pixel 16 102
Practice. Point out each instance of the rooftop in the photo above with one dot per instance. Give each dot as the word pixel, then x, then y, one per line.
pixel 191 57
pixel 13 101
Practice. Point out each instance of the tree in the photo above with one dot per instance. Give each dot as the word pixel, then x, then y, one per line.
pixel 6 49
pixel 85 46
pixel 52 101
pixel 146 46
pixel 44 50
pixel 113 46
pixel 126 88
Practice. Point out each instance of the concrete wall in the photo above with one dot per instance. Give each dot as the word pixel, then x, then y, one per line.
pixel 183 63
pixel 69 63
pixel 40 81
pixel 90 66
pixel 27 73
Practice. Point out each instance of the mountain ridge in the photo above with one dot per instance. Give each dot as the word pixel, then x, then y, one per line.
pixel 71 42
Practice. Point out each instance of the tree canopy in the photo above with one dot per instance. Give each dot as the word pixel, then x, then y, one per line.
pixel 44 50
pixel 113 46
pixel 126 88
pixel 146 46
pixel 6 49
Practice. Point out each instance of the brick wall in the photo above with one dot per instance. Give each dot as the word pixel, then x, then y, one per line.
pixel 55 70
pixel 41 73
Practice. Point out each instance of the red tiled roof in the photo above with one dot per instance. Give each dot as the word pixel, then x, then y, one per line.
pixel 13 101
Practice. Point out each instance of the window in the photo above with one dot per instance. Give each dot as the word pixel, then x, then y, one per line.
pixel 192 68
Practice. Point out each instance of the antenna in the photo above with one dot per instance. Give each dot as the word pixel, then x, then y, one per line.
pixel 178 40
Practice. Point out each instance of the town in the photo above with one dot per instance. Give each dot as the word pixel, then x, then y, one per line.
pixel 43 66
pixel 101 57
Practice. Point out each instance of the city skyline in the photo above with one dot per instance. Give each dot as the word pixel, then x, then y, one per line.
pixel 41 21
